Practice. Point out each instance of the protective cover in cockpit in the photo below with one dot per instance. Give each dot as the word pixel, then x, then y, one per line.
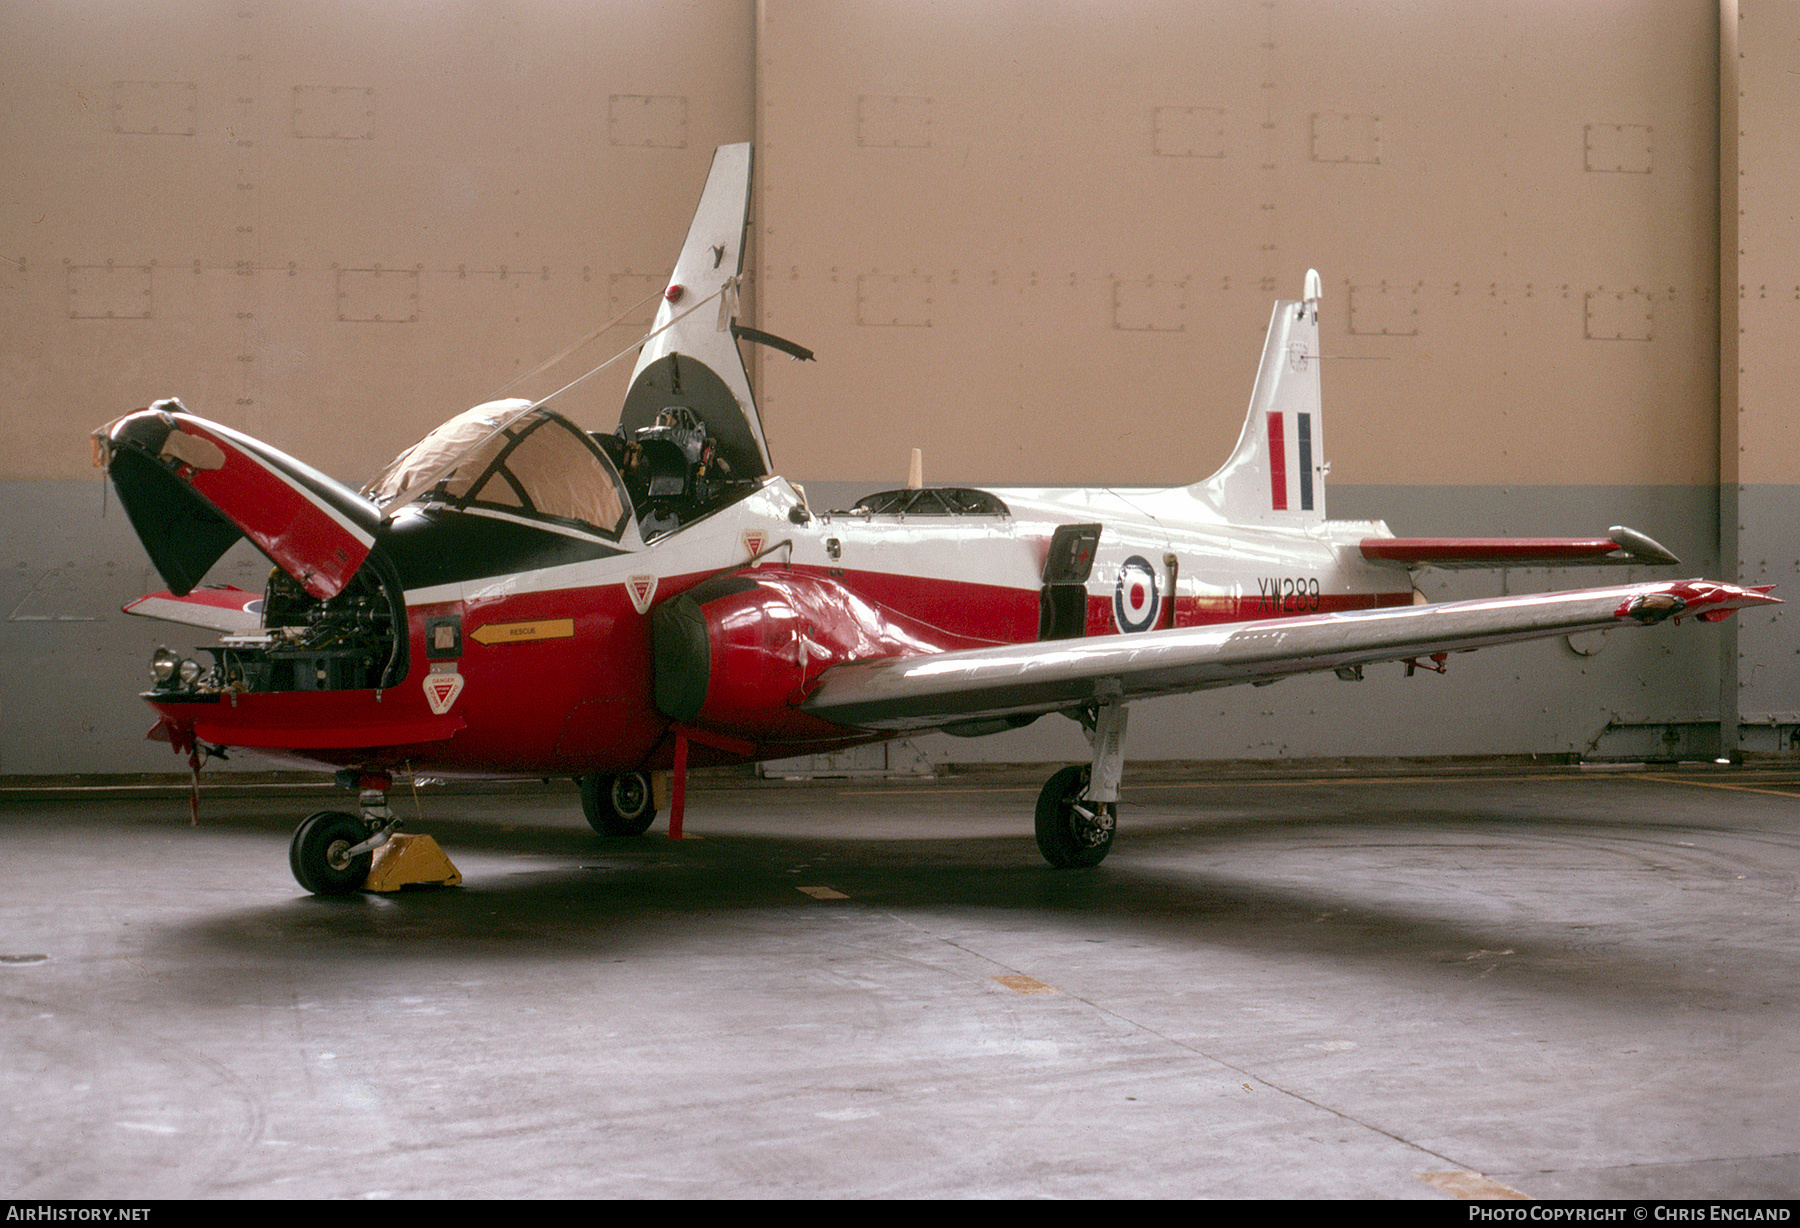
pixel 509 456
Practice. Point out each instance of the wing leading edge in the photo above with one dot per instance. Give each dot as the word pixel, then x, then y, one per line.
pixel 952 688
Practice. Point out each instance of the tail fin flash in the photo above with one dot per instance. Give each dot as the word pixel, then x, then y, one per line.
pixel 1276 475
pixel 692 359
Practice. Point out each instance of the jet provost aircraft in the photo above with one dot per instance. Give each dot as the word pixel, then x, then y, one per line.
pixel 515 595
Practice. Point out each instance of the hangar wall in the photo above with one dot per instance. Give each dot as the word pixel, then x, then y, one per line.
pixel 332 225
pixel 1759 443
pixel 1038 241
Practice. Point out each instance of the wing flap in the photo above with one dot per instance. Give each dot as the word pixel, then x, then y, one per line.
pixel 927 692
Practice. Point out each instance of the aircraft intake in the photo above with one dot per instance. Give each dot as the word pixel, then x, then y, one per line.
pixel 738 653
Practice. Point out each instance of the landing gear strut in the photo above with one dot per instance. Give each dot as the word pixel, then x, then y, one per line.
pixel 1077 813
pixel 621 805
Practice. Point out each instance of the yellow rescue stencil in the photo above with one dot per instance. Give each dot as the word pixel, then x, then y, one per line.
pixel 514 633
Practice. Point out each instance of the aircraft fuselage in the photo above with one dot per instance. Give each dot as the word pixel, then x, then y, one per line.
pixel 540 658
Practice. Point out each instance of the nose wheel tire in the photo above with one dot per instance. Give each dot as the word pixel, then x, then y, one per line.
pixel 1073 832
pixel 319 854
pixel 621 805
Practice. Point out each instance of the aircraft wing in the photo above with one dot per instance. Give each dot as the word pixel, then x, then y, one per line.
pixel 223 607
pixel 976 685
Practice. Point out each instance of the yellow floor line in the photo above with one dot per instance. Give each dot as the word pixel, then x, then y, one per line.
pixel 1720 784
pixel 1471 1186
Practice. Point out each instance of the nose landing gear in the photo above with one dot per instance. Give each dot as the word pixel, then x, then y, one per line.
pixel 324 854
pixel 334 853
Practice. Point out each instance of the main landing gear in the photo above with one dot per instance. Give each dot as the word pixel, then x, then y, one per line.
pixel 621 805
pixel 1077 813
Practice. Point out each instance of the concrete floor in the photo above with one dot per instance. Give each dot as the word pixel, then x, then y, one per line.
pixel 1579 984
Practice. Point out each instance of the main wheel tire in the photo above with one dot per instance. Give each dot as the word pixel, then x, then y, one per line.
pixel 1067 838
pixel 318 854
pixel 621 805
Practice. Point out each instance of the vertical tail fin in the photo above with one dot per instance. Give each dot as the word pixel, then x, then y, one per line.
pixel 1276 474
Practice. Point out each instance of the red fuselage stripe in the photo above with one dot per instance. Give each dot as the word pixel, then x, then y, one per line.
pixel 561 705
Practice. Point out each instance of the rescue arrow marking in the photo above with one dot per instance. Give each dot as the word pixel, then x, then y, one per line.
pixel 513 633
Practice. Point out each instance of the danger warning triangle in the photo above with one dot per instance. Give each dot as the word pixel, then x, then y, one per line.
pixel 441 691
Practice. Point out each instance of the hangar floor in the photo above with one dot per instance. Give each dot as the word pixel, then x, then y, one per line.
pixel 1578 984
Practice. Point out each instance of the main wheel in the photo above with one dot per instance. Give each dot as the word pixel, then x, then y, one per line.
pixel 619 805
pixel 1066 837
pixel 319 855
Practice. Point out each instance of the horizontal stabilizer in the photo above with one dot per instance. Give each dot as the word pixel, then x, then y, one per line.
pixel 1622 545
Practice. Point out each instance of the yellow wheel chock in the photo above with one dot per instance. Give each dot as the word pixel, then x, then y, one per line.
pixel 410 861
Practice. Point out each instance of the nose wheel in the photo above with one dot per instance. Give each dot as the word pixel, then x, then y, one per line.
pixel 323 857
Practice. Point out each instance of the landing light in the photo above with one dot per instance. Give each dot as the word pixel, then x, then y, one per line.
pixel 163 664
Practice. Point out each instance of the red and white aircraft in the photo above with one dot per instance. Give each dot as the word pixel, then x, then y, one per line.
pixel 515 595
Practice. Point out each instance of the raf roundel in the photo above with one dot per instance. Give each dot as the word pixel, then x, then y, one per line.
pixel 1135 601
